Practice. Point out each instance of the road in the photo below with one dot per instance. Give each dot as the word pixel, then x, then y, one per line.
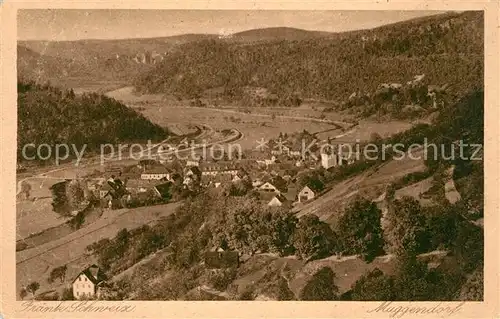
pixel 300 118
pixel 96 160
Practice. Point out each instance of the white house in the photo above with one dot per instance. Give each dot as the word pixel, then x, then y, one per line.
pixel 306 194
pixel 192 162
pixel 277 201
pixel 86 284
pixel 157 173
pixel 295 153
pixel 328 160
pixel 267 161
pixel 268 187
pixel 138 186
pixel 213 169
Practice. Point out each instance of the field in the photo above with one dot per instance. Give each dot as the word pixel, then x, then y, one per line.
pixel 36 263
pixel 366 128
pixel 83 85
pixel 416 190
pixel 35 216
pixel 369 184
pixel 254 123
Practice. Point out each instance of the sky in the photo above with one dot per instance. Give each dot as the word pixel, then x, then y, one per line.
pixel 71 24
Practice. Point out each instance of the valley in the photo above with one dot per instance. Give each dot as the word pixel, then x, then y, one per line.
pixel 292 216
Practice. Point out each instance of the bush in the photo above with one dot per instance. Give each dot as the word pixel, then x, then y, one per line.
pixel 220 279
pixel 321 287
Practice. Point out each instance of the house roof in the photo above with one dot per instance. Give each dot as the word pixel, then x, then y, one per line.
pixel 216 179
pixel 195 170
pixel 93 273
pixel 138 183
pixel 219 166
pixel 312 187
pixel 267 184
pixel 222 259
pixel 266 196
pixel 281 198
pixel 257 155
pixel 157 170
pixel 148 162
pixel 59 185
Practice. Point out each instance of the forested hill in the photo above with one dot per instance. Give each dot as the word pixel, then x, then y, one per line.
pixel 448 49
pixel 49 115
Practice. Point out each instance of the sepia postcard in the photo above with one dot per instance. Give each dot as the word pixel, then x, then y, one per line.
pixel 214 159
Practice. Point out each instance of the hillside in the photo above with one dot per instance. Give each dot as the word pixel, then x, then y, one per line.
pixel 98 60
pixel 424 253
pixel 31 65
pixel 49 115
pixel 448 49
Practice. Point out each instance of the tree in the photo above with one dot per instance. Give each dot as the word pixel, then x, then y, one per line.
pixel 67 294
pixel 33 287
pixel 360 230
pixel 374 286
pixel 406 227
pixel 23 293
pixel 283 226
pixel 314 179
pixel 313 238
pixel 26 189
pixel 121 242
pixel 57 273
pixel 375 138
pixel 221 278
pixel 409 282
pixel 321 287
pixel 468 246
pixel 473 289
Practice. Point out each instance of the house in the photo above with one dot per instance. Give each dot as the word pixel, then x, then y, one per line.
pixel 268 187
pixel 329 160
pixel 192 176
pixel 191 162
pixel 306 194
pixel 296 152
pixel 221 259
pixel 105 189
pixel 156 173
pixel 135 186
pixel 416 79
pixel 216 181
pixel 192 171
pixel 267 161
pixel 348 159
pixel 241 175
pixel 278 201
pixel 87 283
pixel 214 169
pixel 146 163
pixel 257 182
pixel 278 148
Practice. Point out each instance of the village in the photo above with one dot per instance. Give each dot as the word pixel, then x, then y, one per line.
pixel 271 172
pixel 268 163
